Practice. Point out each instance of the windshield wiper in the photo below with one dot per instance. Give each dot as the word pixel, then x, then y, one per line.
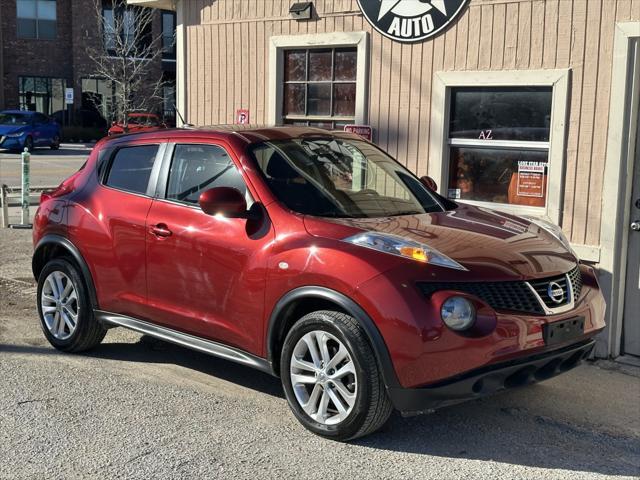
pixel 407 212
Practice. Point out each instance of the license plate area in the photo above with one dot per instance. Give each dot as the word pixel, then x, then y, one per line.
pixel 562 331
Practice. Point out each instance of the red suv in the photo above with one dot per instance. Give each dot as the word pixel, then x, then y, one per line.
pixel 316 257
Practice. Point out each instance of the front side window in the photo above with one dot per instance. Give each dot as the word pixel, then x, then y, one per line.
pixel 36 19
pixel 130 168
pixel 319 87
pixel 499 144
pixel 329 177
pixel 41 94
pixel 196 168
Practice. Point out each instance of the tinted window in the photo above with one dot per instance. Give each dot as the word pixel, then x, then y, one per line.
pixel 499 113
pixel 196 168
pixel 131 168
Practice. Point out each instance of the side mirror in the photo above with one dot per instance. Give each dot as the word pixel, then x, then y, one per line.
pixel 225 201
pixel 429 182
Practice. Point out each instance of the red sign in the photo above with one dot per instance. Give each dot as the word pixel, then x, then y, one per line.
pixel 242 116
pixel 364 131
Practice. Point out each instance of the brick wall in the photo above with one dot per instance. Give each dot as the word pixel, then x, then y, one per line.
pixel 34 57
pixel 65 57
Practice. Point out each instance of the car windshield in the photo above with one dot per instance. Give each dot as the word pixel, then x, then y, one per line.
pixel 145 120
pixel 331 177
pixel 14 119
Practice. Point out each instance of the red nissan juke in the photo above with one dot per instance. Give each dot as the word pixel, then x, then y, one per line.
pixel 316 257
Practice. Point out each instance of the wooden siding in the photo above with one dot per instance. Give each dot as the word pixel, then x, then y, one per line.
pixel 227 49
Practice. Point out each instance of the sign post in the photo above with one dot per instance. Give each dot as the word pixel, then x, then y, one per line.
pixel 26 160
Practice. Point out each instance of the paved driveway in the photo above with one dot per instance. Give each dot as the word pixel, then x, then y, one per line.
pixel 136 408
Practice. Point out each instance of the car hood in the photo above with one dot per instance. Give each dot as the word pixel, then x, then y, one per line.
pixel 489 244
pixel 6 129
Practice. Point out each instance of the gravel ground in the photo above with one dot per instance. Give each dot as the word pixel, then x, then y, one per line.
pixel 137 408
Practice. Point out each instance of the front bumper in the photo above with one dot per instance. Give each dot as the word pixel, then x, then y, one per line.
pixel 11 143
pixel 490 379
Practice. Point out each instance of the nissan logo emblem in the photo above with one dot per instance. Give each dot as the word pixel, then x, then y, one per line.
pixel 555 292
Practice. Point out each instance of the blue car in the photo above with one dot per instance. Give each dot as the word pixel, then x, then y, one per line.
pixel 20 129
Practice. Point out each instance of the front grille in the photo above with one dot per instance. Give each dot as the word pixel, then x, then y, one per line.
pixel 542 288
pixel 514 296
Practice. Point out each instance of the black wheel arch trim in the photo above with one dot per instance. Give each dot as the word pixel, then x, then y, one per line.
pixel 60 241
pixel 349 306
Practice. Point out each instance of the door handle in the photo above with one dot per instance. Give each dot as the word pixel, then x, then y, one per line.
pixel 635 226
pixel 160 230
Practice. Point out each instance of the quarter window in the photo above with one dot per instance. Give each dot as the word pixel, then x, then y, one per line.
pixel 36 19
pixel 320 87
pixel 499 144
pixel 131 168
pixel 196 168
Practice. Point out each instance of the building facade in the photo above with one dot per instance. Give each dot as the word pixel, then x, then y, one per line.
pixel 43 52
pixel 526 106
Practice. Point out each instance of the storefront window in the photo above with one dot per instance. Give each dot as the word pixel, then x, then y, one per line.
pixel 98 95
pixel 499 145
pixel 319 87
pixel 41 94
pixel 36 19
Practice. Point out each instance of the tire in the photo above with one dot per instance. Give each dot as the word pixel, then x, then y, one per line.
pixel 28 144
pixel 370 406
pixel 72 336
pixel 55 144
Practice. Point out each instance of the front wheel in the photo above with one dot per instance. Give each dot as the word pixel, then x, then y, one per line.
pixel 331 378
pixel 28 144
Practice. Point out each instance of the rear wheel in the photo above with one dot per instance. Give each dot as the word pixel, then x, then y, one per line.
pixel 331 378
pixel 66 314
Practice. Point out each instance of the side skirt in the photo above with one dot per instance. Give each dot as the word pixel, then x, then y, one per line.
pixel 185 340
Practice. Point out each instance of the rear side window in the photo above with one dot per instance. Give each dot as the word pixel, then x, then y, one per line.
pixel 131 168
pixel 196 168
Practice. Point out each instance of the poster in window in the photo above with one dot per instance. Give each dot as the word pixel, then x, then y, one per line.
pixel 530 182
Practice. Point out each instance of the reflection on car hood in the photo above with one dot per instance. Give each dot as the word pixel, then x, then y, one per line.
pixel 6 129
pixel 499 245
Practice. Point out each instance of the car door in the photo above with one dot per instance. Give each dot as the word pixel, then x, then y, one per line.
pixel 108 224
pixel 41 130
pixel 206 274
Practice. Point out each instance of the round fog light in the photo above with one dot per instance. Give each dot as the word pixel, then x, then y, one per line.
pixel 458 313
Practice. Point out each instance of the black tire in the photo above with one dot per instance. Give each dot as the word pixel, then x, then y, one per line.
pixel 88 331
pixel 28 144
pixel 372 406
pixel 55 144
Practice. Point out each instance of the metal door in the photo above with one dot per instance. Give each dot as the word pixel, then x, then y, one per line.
pixel 631 326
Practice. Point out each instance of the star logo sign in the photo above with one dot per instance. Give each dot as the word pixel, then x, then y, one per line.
pixel 411 20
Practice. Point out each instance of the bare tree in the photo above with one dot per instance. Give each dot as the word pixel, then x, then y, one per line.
pixel 125 56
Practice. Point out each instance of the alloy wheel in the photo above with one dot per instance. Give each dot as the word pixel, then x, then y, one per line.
pixel 60 306
pixel 323 377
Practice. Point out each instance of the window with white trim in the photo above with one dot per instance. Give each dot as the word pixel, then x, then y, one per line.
pixel 499 144
pixel 319 87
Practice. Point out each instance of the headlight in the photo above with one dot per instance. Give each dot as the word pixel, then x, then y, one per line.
pixel 15 135
pixel 403 247
pixel 554 230
pixel 458 313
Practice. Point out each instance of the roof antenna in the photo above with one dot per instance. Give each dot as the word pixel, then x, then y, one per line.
pixel 184 124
